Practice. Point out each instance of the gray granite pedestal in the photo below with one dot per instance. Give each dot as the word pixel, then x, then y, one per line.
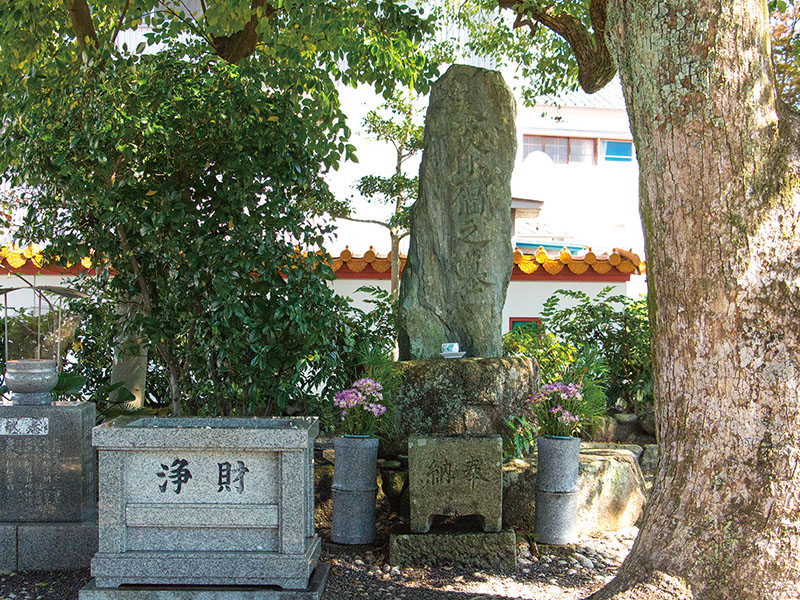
pixel 48 483
pixel 316 585
pixel 224 505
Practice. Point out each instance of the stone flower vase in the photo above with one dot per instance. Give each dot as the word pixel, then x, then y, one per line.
pixel 557 489
pixel 31 381
pixel 354 489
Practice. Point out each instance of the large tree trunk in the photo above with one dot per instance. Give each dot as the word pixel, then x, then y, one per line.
pixel 719 171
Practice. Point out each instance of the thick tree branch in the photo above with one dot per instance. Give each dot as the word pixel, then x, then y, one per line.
pixel 242 44
pixel 137 271
pixel 372 221
pixel 81 18
pixel 595 65
pixel 120 21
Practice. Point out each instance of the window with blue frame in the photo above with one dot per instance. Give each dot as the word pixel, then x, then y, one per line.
pixel 531 322
pixel 616 151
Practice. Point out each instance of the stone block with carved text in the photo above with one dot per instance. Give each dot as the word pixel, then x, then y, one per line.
pixel 206 502
pixel 48 468
pixel 455 475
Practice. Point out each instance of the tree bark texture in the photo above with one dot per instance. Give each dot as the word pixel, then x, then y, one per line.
pixel 718 165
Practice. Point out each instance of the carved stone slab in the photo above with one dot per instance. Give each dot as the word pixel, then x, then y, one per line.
pixel 206 502
pixel 455 475
pixel 460 256
pixel 47 463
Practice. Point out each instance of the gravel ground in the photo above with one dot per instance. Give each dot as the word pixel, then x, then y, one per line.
pixel 363 572
pixel 550 575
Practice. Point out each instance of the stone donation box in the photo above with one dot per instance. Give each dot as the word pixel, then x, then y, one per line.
pixel 455 476
pixel 206 502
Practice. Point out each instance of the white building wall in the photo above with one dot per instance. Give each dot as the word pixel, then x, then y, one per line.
pixel 348 287
pixel 524 299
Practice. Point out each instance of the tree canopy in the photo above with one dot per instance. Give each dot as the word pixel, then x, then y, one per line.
pixel 187 166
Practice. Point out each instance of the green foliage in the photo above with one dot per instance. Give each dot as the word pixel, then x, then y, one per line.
pixel 308 46
pixel 164 166
pixel 393 123
pixel 607 338
pixel 189 170
pixel 91 352
pixel 541 59
pixel 365 349
pixel 24 326
pixel 519 437
pixel 786 51
pixel 590 370
pixel 552 354
pixel 68 384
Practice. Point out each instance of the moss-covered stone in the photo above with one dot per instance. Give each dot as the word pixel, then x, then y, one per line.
pixel 463 549
pixel 467 395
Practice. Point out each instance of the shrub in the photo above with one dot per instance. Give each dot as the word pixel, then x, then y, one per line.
pixel 616 327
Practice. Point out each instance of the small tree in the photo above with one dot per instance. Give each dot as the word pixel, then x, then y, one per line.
pixel 399 190
pixel 164 167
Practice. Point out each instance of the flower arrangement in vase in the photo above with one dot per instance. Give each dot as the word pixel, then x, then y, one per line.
pixel 557 408
pixel 362 405
pixel 562 412
pixel 355 464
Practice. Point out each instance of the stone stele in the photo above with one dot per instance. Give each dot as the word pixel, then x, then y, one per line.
pixel 460 257
pixel 455 475
pixel 48 487
pixel 191 501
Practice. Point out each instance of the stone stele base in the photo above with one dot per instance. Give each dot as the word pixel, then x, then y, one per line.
pixel 474 549
pixel 47 546
pixel 316 585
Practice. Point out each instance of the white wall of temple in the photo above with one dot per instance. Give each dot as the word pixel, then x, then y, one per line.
pixel 524 299
pixel 348 287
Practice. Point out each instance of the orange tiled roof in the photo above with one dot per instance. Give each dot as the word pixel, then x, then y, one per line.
pixel 29 258
pixel 618 262
pixel 356 264
pixel 13 257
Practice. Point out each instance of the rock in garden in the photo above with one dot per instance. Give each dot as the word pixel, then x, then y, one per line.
pixel 584 561
pixel 612 490
pixel 460 256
